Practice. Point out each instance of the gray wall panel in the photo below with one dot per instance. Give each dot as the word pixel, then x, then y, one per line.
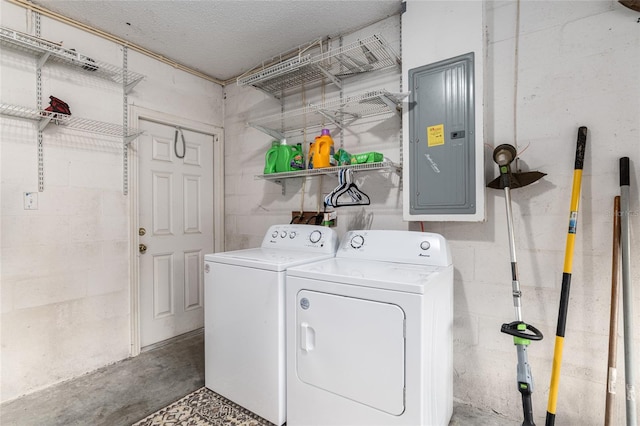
pixel 442 139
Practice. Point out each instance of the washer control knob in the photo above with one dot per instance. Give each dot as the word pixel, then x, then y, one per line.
pixel 274 234
pixel 283 234
pixel 292 234
pixel 315 236
pixel 357 241
pixel 425 245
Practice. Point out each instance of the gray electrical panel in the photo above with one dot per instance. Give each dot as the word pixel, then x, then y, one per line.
pixel 442 137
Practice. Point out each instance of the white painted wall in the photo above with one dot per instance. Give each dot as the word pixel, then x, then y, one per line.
pixel 577 65
pixel 65 292
pixel 253 205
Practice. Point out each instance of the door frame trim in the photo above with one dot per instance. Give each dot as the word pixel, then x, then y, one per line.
pixel 137 113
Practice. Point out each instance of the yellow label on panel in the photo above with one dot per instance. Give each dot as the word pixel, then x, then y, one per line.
pixel 435 135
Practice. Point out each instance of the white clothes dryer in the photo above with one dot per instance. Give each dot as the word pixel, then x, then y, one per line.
pixel 369 333
pixel 244 318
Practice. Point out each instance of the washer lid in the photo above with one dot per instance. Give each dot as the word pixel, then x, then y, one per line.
pixel 266 258
pixel 370 273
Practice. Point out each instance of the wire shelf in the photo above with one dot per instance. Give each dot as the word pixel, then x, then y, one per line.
pixel 281 68
pixel 369 54
pixel 71 122
pixel 340 112
pixel 49 50
pixel 383 165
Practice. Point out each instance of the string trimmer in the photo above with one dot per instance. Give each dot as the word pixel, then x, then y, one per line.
pixel 522 332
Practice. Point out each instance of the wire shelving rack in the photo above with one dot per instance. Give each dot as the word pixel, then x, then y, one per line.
pixel 340 112
pixel 47 50
pixel 372 53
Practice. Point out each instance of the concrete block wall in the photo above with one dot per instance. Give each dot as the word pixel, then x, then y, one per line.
pixel 65 277
pixel 251 205
pixel 576 65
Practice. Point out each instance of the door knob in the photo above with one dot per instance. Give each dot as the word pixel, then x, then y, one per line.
pixel 142 248
pixel 142 231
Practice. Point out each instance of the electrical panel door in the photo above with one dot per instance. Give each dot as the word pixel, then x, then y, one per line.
pixel 442 137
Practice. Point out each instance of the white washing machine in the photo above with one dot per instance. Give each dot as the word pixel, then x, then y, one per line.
pixel 244 317
pixel 369 333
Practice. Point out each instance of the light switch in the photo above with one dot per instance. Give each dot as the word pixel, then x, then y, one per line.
pixel 31 201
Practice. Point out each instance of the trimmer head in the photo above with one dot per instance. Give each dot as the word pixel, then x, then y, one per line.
pixel 504 155
pixel 517 180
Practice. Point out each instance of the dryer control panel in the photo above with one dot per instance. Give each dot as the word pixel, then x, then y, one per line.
pixel 319 239
pixel 423 248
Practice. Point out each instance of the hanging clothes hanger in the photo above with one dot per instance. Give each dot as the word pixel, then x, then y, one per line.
pixel 348 187
pixel 358 198
pixel 341 184
pixel 354 192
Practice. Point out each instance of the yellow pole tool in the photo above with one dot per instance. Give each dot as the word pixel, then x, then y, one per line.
pixel 566 277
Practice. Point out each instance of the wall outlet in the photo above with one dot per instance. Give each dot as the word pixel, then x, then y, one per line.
pixel 309 218
pixel 31 201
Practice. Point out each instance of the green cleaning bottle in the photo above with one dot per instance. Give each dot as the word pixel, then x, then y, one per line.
pixel 297 160
pixel 283 160
pixel 271 157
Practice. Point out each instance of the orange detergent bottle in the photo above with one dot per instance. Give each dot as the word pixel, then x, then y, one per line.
pixel 321 151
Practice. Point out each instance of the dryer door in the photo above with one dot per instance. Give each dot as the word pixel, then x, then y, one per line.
pixel 353 348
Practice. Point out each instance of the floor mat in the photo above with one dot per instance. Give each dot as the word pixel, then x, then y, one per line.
pixel 203 408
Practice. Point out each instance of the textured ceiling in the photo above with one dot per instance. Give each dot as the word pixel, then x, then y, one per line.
pixel 223 38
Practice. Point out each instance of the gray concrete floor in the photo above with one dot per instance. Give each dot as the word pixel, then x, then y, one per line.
pixel 125 392
pixel 119 394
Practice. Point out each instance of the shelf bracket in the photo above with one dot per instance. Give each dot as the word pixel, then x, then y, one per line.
pixel 44 122
pixel 130 138
pixel 282 184
pixel 354 67
pixel 273 133
pixel 335 80
pixel 129 86
pixel 266 92
pixel 393 105
pixel 331 119
pixel 42 59
pixel 352 118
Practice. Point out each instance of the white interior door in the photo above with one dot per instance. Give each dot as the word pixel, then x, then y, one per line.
pixel 175 197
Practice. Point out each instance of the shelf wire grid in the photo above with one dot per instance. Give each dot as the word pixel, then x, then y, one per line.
pixel 369 54
pixel 38 46
pixel 281 68
pixel 382 165
pixel 71 122
pixel 343 111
